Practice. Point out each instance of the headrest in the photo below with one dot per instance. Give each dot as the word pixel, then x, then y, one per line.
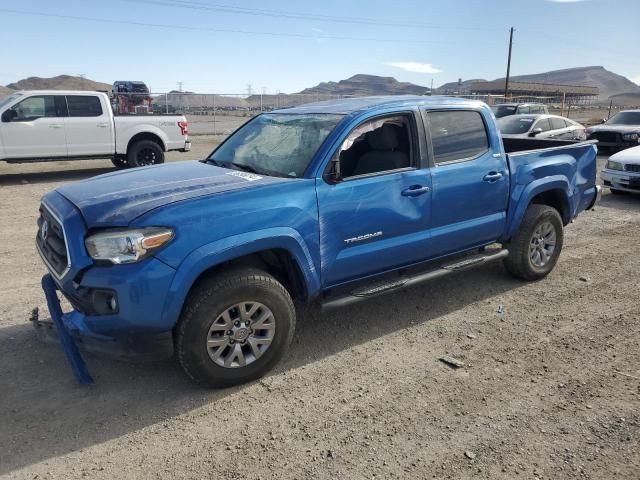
pixel 384 138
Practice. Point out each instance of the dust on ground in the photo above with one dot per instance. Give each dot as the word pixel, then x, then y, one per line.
pixel 551 386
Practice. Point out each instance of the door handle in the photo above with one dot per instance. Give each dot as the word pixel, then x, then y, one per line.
pixel 102 125
pixel 492 177
pixel 55 125
pixel 415 190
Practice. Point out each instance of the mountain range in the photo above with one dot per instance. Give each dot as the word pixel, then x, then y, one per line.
pixel 609 84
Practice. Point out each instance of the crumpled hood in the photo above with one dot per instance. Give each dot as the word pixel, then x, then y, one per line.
pixel 115 199
pixel 614 128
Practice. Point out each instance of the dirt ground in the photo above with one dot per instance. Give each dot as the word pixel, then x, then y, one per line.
pixel 551 386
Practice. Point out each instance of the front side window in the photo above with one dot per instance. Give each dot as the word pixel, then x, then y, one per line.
pixel 84 106
pixel 457 135
pixel 557 123
pixel 32 108
pixel 379 145
pixel 524 110
pixel 276 143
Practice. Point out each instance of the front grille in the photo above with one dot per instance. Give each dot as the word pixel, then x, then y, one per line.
pixel 608 137
pixel 632 168
pixel 51 242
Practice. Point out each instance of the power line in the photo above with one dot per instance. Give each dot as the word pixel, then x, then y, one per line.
pixel 217 30
pixel 194 5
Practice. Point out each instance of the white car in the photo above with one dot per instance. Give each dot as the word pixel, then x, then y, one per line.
pixel 546 126
pixel 621 173
pixel 42 125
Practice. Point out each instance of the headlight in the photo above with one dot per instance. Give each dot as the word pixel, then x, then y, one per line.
pixel 613 165
pixel 629 137
pixel 126 246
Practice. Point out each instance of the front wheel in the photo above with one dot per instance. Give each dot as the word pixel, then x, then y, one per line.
pixel 234 327
pixel 120 162
pixel 536 246
pixel 144 153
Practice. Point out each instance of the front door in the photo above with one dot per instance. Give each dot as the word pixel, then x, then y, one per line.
pixel 376 216
pixel 470 183
pixel 35 129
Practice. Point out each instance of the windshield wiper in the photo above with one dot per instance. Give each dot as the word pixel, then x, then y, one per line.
pixel 247 168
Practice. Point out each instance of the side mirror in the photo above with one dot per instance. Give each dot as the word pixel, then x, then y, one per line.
pixel 9 115
pixel 604 120
pixel 535 132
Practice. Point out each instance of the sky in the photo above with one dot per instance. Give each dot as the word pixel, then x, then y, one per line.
pixel 223 46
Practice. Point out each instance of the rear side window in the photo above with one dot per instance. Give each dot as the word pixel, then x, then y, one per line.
pixel 84 106
pixel 557 123
pixel 457 135
pixel 523 110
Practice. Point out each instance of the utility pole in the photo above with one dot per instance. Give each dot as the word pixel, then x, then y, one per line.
pixel 180 84
pixel 506 81
pixel 431 89
pixel 82 77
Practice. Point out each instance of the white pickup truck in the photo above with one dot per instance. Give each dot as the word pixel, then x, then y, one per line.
pixel 45 125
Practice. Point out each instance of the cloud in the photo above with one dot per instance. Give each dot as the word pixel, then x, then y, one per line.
pixel 636 80
pixel 415 67
pixel 318 30
pixel 566 1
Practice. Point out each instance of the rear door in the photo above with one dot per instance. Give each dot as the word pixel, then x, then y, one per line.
pixel 89 126
pixel 36 130
pixel 377 216
pixel 559 129
pixel 545 125
pixel 470 182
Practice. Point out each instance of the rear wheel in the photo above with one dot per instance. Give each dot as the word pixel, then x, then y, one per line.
pixel 234 328
pixel 144 153
pixel 536 246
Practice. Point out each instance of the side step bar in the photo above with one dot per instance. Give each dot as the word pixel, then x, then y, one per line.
pixel 374 290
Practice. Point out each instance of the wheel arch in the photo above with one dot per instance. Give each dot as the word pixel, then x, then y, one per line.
pixel 154 137
pixel 552 191
pixel 283 254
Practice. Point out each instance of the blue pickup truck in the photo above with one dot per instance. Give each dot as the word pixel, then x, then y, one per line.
pixel 331 202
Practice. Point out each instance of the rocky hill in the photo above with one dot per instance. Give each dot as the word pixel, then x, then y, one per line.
pixel 453 87
pixel 361 84
pixel 4 91
pixel 608 83
pixel 61 82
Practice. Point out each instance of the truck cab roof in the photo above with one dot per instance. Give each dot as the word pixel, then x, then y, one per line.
pixel 347 106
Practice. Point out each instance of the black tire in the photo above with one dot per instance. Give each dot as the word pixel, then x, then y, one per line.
pixel 617 192
pixel 144 153
pixel 519 262
pixel 206 304
pixel 120 162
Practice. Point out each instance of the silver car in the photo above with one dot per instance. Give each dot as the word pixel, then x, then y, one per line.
pixel 622 171
pixel 541 126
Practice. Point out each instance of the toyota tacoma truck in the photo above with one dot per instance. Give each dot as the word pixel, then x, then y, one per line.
pixel 45 125
pixel 332 202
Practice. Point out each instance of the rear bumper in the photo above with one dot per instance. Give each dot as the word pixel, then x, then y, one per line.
pixel 187 146
pixel 596 197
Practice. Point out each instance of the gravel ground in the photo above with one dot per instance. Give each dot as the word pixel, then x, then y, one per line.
pixel 550 387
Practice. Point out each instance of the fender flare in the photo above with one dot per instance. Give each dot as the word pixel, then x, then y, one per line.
pixel 229 248
pixel 541 185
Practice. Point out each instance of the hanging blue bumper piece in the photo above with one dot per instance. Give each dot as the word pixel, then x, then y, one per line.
pixel 68 344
